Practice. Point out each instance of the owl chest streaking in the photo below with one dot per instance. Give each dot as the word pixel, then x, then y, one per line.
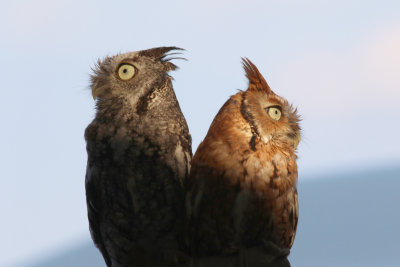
pixel 139 152
pixel 241 191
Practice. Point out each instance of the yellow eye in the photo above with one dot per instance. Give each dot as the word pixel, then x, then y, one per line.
pixel 126 72
pixel 274 112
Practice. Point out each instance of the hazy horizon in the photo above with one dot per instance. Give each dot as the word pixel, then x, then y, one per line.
pixel 333 230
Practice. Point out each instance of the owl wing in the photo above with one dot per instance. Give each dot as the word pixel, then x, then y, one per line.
pixel 284 219
pixel 293 219
pixel 94 205
pixel 158 207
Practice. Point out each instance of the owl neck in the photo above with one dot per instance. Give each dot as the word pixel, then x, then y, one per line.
pixel 248 117
pixel 136 108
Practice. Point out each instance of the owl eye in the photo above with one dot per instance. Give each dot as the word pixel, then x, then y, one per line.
pixel 126 72
pixel 274 112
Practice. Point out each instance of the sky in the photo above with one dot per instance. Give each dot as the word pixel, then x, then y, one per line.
pixel 337 61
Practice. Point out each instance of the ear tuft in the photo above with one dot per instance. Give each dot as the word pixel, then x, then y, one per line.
pixel 256 80
pixel 158 52
pixel 162 54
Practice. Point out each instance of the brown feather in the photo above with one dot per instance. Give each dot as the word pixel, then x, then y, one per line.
pixel 158 52
pixel 242 185
pixel 256 80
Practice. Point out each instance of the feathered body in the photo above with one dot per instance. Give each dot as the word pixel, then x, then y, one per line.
pixel 139 152
pixel 241 190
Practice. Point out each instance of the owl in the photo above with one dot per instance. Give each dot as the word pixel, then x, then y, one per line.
pixel 241 192
pixel 139 153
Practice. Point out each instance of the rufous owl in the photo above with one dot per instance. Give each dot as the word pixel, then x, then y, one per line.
pixel 242 188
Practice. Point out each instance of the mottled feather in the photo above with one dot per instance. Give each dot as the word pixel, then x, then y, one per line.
pixel 241 192
pixel 139 153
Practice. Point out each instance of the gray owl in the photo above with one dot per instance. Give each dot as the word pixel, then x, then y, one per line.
pixel 139 153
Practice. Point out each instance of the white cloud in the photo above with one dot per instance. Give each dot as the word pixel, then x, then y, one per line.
pixel 30 17
pixel 381 61
pixel 41 22
pixel 332 82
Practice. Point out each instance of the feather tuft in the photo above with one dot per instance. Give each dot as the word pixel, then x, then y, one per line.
pixel 256 80
pixel 158 52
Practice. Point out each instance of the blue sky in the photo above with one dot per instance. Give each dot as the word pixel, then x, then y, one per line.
pixel 337 61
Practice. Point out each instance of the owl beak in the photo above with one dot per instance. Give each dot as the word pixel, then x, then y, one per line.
pixel 95 91
pixel 297 140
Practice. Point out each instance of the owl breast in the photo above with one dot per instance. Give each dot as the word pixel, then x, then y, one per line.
pixel 138 186
pixel 266 206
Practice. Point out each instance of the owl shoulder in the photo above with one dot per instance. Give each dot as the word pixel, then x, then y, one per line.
pixel 91 131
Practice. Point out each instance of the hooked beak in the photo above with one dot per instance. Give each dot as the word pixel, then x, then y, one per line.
pixel 95 91
pixel 297 140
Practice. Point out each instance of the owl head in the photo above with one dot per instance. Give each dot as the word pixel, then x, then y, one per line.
pixel 272 119
pixel 132 74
